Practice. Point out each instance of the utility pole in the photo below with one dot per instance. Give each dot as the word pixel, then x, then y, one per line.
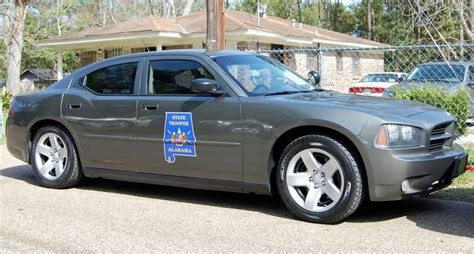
pixel 221 14
pixel 461 31
pixel 215 24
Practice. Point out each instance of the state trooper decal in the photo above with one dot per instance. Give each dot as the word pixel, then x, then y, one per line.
pixel 179 139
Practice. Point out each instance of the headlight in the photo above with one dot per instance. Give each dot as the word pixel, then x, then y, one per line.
pixel 398 136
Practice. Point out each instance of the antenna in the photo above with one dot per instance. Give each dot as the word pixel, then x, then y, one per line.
pixel 146 47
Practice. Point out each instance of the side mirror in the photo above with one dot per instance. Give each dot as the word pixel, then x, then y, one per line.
pixel 206 86
pixel 314 78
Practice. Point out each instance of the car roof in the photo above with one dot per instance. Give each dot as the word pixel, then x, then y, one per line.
pixel 388 72
pixel 173 52
pixel 451 63
pixel 181 52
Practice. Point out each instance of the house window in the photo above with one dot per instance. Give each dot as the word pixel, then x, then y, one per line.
pixel 312 62
pixel 111 52
pixel 355 65
pixel 339 66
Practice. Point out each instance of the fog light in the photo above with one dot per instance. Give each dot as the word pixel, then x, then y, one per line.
pixel 405 185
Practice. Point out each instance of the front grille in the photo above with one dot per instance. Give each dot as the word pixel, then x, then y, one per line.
pixel 436 145
pixel 439 129
pixel 441 136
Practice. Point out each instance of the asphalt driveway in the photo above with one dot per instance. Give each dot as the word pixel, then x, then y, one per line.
pixel 111 216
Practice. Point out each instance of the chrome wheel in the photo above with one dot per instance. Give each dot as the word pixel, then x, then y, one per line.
pixel 50 156
pixel 315 180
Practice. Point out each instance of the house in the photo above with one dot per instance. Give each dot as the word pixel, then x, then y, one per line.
pixel 37 78
pixel 243 31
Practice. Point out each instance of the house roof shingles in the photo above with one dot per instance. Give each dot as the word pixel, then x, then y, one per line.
pixel 234 21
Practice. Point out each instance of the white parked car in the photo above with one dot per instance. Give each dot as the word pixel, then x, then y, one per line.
pixel 375 83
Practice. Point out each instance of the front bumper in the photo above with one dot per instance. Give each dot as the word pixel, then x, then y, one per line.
pixel 404 175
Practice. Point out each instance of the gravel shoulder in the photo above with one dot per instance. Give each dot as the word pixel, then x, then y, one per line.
pixel 111 216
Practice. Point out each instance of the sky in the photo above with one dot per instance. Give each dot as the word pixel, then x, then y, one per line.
pixel 347 2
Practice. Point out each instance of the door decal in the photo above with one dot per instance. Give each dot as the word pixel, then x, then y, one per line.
pixel 179 139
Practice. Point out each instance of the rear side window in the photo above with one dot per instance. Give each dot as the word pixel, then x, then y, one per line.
pixel 174 76
pixel 116 79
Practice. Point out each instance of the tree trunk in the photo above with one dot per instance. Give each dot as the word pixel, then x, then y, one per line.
pixel 14 43
pixel 152 9
pixel 59 7
pixel 188 7
pixel 336 4
pixel 459 9
pixel 369 19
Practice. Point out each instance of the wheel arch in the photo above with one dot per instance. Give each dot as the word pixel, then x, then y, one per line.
pixel 291 134
pixel 49 122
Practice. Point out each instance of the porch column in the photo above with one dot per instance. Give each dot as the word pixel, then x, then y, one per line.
pixel 59 56
pixel 158 46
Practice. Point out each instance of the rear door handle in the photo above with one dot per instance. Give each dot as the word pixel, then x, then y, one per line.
pixel 74 106
pixel 150 107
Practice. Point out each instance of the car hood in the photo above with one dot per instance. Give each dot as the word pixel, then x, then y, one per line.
pixel 367 104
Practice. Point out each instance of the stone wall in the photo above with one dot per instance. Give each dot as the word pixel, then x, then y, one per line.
pixel 88 57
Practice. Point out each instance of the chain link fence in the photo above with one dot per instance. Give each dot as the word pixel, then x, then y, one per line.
pixel 439 75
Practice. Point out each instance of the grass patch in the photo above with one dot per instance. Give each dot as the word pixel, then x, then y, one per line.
pixel 3 139
pixel 462 189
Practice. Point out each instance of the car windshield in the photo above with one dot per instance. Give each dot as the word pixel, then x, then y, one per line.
pixel 437 72
pixel 260 75
pixel 380 77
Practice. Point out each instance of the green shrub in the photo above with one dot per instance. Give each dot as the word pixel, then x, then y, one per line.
pixel 456 103
pixel 6 99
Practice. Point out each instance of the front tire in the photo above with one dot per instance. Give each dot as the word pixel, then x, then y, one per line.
pixel 319 179
pixel 54 158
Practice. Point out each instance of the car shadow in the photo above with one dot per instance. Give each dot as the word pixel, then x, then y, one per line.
pixel 449 217
pixel 434 214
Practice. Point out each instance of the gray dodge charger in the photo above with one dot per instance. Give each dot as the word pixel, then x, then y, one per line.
pixel 232 121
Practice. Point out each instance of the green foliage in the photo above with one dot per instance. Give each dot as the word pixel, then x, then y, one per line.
pixel 457 103
pixel 393 22
pixel 6 99
pixel 3 62
pixel 39 27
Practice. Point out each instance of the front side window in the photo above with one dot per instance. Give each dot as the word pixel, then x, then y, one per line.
pixel 380 78
pixel 470 75
pixel 260 75
pixel 174 76
pixel 437 72
pixel 116 79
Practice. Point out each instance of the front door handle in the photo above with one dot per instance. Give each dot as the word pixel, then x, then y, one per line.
pixel 150 107
pixel 75 106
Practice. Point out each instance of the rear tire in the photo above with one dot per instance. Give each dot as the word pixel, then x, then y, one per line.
pixel 319 179
pixel 54 159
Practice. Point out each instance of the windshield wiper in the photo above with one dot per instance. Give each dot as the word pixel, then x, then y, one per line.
pixel 317 89
pixel 283 92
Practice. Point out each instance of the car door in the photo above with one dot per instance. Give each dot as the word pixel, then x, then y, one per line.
pixel 181 133
pixel 100 106
pixel 470 85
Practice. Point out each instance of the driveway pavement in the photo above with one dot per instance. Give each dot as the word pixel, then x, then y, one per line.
pixel 111 216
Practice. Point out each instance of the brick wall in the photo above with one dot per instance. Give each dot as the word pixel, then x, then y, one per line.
pixel 339 71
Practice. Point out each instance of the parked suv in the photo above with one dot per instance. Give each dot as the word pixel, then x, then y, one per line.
pixel 450 76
